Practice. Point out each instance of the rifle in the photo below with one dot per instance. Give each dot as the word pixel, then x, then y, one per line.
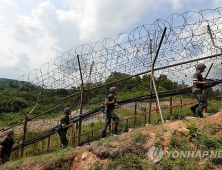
pixel 210 83
pixel 105 106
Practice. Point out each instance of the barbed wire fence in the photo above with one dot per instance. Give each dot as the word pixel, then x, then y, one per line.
pixel 78 75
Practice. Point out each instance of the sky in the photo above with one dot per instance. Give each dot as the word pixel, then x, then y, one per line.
pixel 35 32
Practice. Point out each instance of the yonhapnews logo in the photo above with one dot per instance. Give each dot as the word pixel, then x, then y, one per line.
pixel 155 153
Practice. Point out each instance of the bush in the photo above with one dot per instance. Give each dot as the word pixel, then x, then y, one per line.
pixel 139 138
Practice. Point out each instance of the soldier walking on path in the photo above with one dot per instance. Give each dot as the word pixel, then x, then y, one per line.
pixel 6 147
pixel 64 126
pixel 198 83
pixel 110 101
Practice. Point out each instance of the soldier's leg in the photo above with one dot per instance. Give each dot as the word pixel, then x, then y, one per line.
pixel 193 108
pixel 116 122
pixel 106 124
pixel 115 119
pixel 63 139
pixel 5 158
pixel 202 104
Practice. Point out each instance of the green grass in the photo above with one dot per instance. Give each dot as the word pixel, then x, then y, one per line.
pixel 128 161
pixel 201 141
pixel 96 166
pixel 59 158
pixel 107 140
pixel 139 138
pixel 140 121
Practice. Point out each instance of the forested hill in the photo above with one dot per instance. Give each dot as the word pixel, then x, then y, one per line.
pixel 26 94
pixel 11 81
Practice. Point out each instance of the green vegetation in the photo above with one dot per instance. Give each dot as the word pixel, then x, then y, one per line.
pixel 16 95
pixel 60 158
pixel 24 94
pixel 96 166
pixel 138 138
pixel 128 161
pixel 197 140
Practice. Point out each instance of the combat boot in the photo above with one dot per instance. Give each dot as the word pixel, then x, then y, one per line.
pixel 199 114
pixel 60 146
pixel 116 132
pixel 193 109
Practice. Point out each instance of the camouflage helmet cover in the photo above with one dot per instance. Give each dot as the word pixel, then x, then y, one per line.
pixel 201 66
pixel 67 110
pixel 10 133
pixel 113 89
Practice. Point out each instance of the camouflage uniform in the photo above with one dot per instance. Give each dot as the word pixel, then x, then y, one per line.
pixel 110 115
pixel 62 133
pixel 6 148
pixel 198 92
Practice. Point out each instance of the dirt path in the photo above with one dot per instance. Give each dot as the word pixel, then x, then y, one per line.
pixel 46 124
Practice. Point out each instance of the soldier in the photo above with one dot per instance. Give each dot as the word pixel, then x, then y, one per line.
pixel 6 147
pixel 110 101
pixel 198 83
pixel 64 127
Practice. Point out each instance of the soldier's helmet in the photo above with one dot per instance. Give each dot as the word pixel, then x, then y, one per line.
pixel 112 89
pixel 11 132
pixel 201 66
pixel 67 110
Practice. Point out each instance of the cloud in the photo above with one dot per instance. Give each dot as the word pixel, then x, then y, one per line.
pixel 48 28
pixel 47 31
pixel 176 4
pixel 217 3
pixel 7 3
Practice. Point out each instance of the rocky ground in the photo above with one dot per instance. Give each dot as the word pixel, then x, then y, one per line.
pixel 39 125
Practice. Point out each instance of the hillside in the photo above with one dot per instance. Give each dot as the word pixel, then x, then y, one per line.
pixel 7 81
pixel 129 150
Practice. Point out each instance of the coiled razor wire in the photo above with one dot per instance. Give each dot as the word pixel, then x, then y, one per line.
pixel 187 38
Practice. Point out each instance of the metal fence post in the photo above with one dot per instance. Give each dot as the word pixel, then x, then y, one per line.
pixel 181 103
pixel 171 108
pixel 24 134
pixel 134 122
pixel 81 104
pixel 156 111
pixel 48 145
pixel 79 132
pixel 145 117
pixel 80 121
pixel 205 109
pixel 150 101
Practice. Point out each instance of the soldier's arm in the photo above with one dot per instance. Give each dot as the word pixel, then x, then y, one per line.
pixel 64 125
pixel 199 82
pixel 196 78
pixel 67 125
pixel 108 102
